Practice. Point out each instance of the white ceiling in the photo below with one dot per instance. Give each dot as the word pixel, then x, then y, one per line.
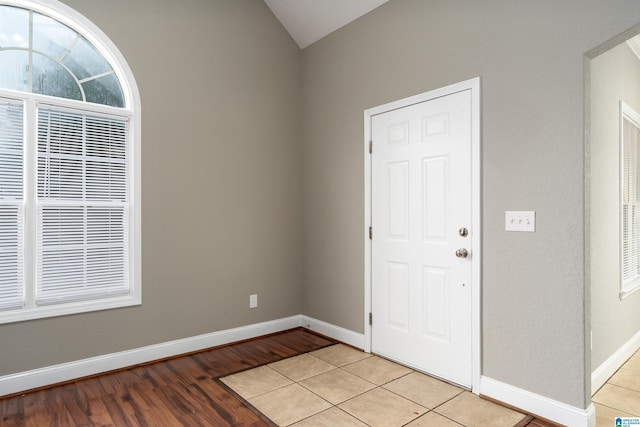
pixel 310 20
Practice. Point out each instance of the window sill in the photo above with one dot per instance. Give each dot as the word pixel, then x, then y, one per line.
pixel 630 288
pixel 70 308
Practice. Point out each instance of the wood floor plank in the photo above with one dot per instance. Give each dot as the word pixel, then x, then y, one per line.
pixel 13 414
pixel 225 360
pixel 187 369
pixel 139 397
pixel 225 405
pixel 106 384
pixel 303 343
pixel 113 409
pixel 99 412
pixel 77 404
pixel 37 410
pixel 93 388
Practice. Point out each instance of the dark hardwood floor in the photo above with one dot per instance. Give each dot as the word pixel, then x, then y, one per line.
pixel 183 391
pixel 178 392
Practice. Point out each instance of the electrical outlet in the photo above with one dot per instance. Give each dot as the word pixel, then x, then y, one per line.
pixel 253 301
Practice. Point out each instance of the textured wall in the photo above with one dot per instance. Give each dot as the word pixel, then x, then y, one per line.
pixel 530 58
pixel 221 86
pixel 615 76
pixel 221 207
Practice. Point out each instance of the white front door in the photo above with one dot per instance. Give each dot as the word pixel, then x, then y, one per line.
pixel 421 215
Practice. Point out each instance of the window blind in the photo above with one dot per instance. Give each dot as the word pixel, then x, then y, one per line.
pixel 82 234
pixel 11 205
pixel 630 270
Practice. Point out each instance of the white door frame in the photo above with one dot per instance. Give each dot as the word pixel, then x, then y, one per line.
pixel 474 86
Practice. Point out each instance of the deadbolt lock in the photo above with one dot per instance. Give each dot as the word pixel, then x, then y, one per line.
pixel 463 232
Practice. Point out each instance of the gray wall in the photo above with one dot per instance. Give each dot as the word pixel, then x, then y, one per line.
pixel 228 188
pixel 221 204
pixel 530 58
pixel 615 76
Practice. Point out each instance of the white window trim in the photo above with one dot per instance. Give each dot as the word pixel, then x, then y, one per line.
pixel 626 112
pixel 107 48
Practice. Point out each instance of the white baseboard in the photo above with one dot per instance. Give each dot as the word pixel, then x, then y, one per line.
pixel 538 405
pixel 22 381
pixel 603 372
pixel 527 401
pixel 336 332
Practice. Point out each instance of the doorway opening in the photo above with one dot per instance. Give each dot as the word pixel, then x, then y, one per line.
pixel 612 90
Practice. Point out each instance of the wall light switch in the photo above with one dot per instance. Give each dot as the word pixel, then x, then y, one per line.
pixel 520 221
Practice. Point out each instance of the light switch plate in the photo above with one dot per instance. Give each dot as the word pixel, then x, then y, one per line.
pixel 520 221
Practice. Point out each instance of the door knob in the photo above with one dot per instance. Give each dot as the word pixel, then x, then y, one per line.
pixel 462 253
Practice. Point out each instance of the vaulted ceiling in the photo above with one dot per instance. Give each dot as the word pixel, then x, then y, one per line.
pixel 310 20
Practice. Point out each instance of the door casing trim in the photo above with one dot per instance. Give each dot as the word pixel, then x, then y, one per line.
pixel 476 199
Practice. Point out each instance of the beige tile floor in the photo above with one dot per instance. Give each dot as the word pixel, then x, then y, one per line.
pixel 341 386
pixel 620 396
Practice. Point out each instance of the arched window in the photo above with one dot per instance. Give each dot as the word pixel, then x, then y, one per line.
pixel 42 55
pixel 69 166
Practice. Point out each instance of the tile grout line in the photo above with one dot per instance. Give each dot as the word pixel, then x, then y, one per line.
pixel 417 403
pixel 331 403
pixel 376 386
pixel 298 382
pixel 299 371
pixel 616 409
pixel 621 386
pixel 445 402
pixel 245 402
pixel 219 377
